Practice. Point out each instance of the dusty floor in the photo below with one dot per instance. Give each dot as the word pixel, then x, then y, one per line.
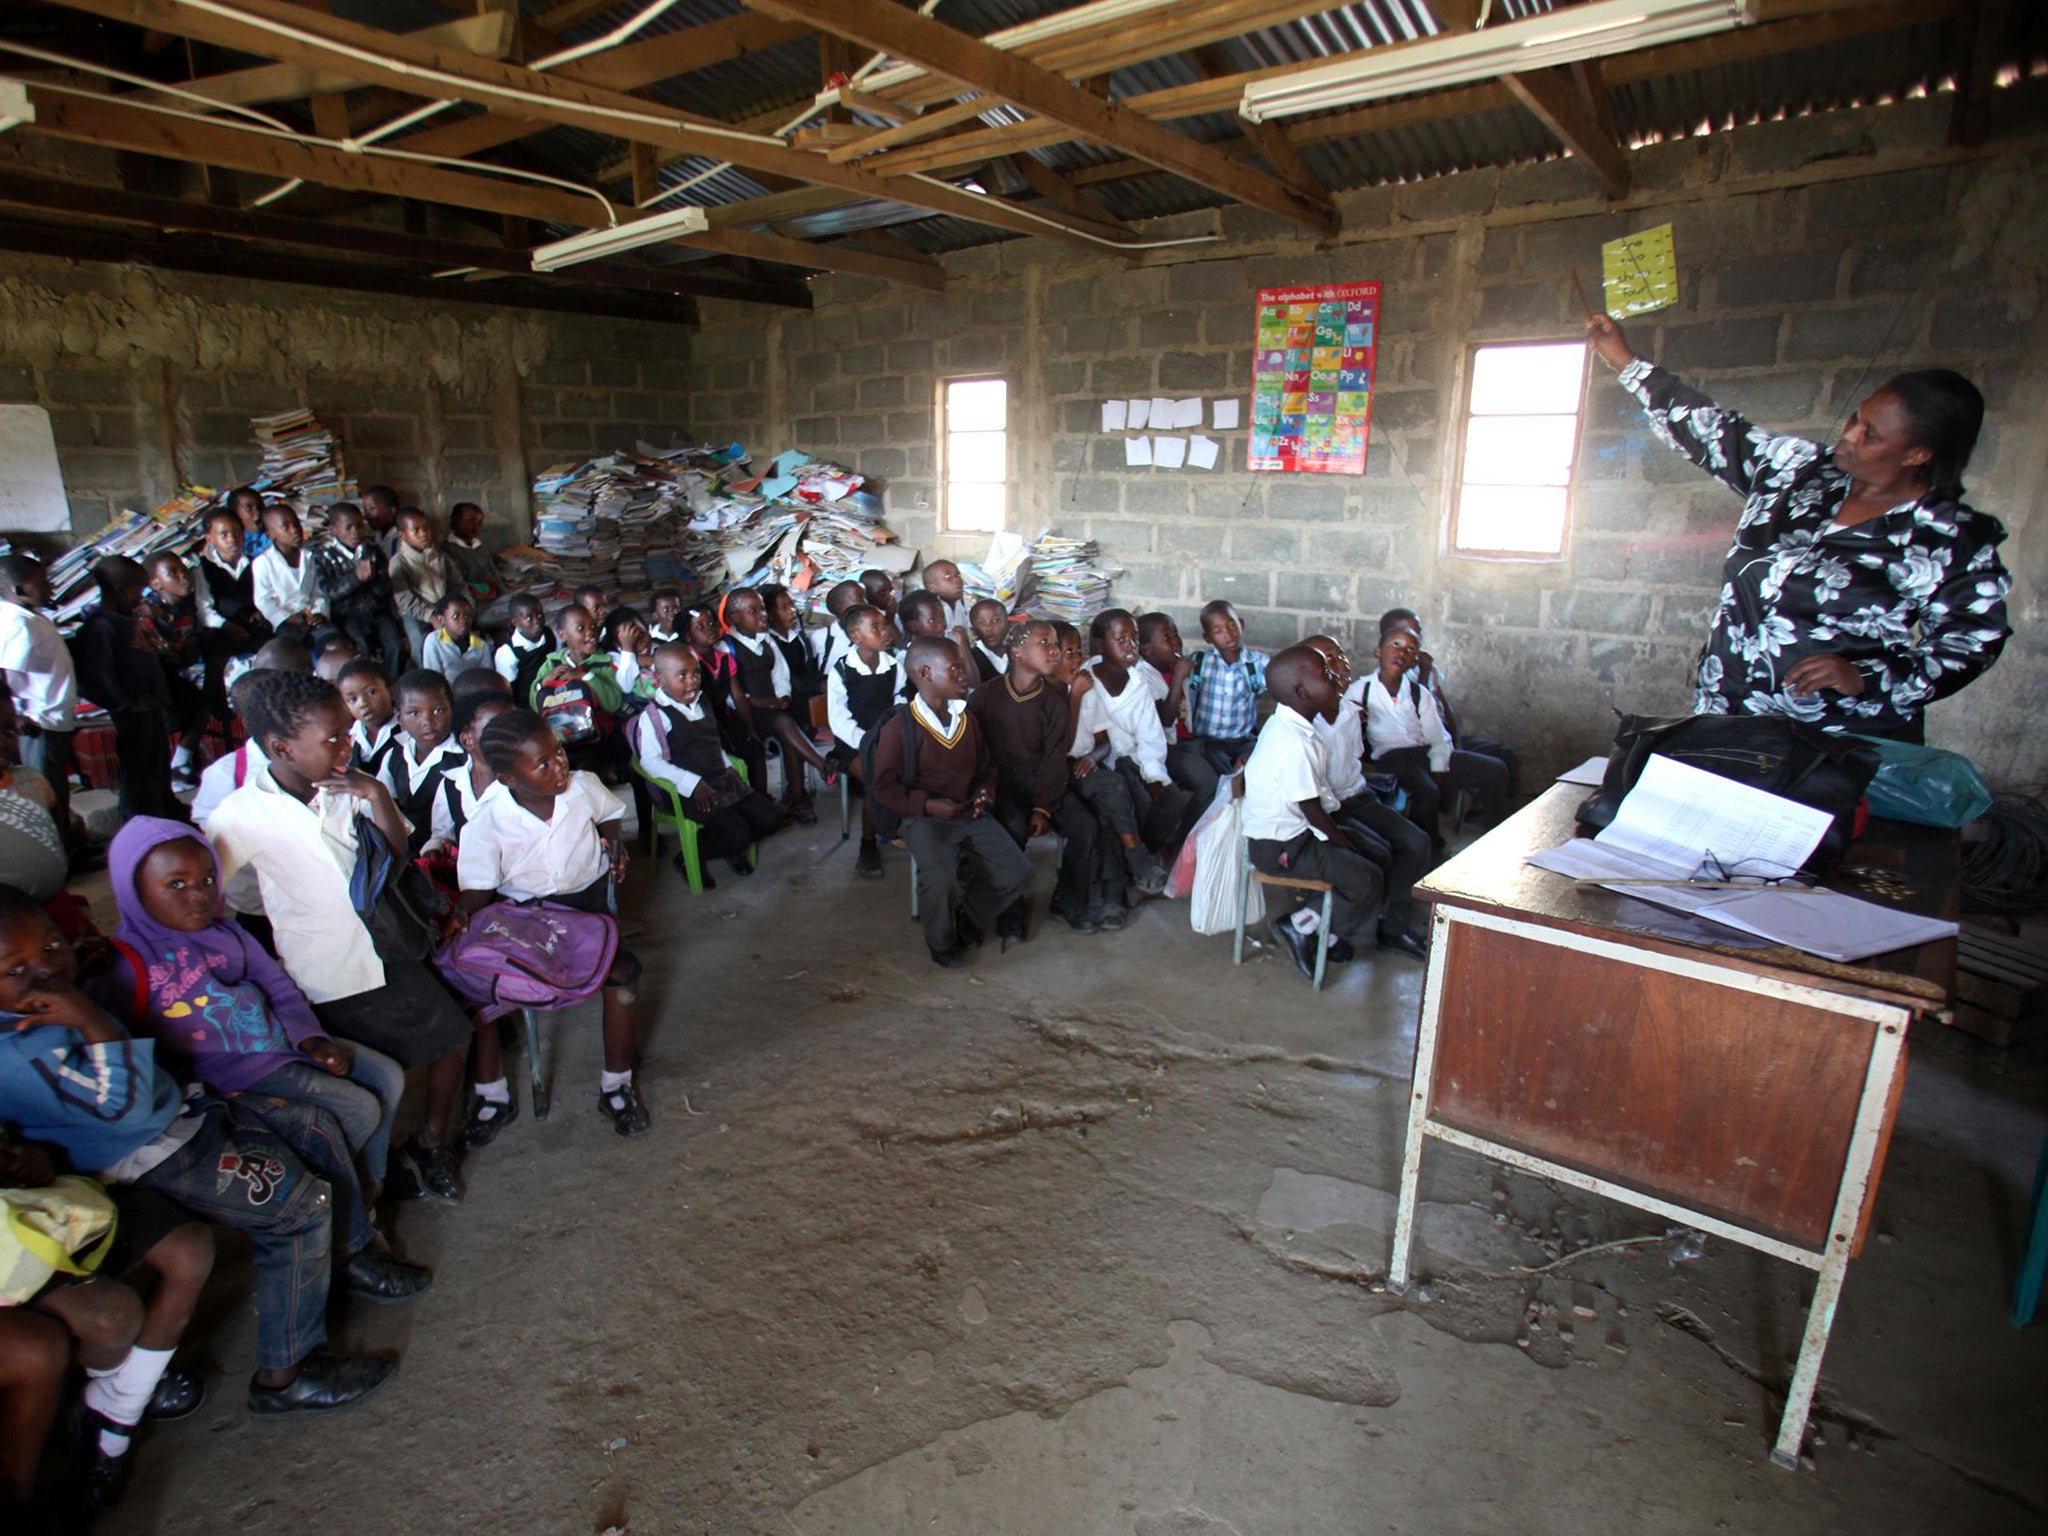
pixel 1085 1239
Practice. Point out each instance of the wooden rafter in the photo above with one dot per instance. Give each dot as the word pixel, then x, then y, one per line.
pixel 299 36
pixel 1554 97
pixel 973 65
pixel 1056 189
pixel 1977 68
pixel 1269 138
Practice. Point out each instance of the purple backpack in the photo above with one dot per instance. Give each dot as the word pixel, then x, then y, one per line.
pixel 515 956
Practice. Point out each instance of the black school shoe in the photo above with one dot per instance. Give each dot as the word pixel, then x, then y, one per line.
pixel 426 1173
pixel 105 1476
pixel 629 1115
pixel 376 1275
pixel 1079 922
pixel 868 862
pixel 178 1395
pixel 1299 945
pixel 326 1381
pixel 1337 951
pixel 951 959
pixel 487 1117
pixel 1402 942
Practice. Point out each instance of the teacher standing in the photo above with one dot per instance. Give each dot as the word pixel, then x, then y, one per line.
pixel 1859 588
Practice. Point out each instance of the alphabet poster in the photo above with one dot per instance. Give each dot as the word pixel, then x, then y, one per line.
pixel 1312 378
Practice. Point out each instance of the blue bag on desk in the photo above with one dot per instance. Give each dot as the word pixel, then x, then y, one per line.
pixel 1925 785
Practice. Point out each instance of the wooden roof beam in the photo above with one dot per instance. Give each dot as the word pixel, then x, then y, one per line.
pixel 1269 138
pixel 973 65
pixel 1554 97
pixel 1057 190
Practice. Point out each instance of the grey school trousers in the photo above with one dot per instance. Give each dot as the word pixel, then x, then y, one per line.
pixel 971 866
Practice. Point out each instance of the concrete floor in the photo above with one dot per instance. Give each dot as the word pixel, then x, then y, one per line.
pixel 1086 1239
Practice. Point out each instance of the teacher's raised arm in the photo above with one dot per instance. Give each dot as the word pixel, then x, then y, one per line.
pixel 1859 588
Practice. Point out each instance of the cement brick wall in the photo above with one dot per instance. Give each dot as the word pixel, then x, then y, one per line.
pixel 1817 256
pixel 151 378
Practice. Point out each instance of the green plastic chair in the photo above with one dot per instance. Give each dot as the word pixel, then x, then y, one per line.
pixel 667 811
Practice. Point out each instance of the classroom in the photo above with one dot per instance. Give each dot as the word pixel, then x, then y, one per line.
pixel 1023 767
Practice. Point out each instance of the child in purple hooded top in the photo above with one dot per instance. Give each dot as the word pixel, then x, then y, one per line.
pixel 222 1011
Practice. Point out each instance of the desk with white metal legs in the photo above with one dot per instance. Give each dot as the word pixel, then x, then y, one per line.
pixel 1748 1092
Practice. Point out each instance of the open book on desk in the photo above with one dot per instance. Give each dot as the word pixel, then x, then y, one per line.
pixel 1725 852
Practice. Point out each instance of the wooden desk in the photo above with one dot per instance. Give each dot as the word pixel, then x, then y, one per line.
pixel 1744 1090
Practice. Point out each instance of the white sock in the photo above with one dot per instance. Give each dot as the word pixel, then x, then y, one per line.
pixel 498 1091
pixel 1306 920
pixel 613 1082
pixel 123 1392
pixel 181 756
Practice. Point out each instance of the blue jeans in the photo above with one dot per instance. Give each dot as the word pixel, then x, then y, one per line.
pixel 363 1103
pixel 265 1165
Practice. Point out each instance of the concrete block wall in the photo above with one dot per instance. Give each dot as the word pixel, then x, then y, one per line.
pixel 1817 256
pixel 151 378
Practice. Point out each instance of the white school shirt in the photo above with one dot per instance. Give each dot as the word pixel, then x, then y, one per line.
pixel 283 593
pixel 997 659
pixel 441 826
pixel 1397 720
pixel 303 855
pixel 760 644
pixel 442 758
pixel 956 613
pixel 1286 767
pixel 828 644
pixel 507 849
pixel 650 741
pixel 1344 747
pixel 1130 719
pixel 37 664
pixel 838 712
pixel 370 746
pixel 506 661
pixel 216 783
pixel 202 589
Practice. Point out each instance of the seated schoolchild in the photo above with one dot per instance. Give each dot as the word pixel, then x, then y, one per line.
pixel 1024 719
pixel 785 630
pixel 1286 812
pixel 426 752
pixel 922 614
pixel 246 502
pixel 990 621
pixel 351 574
pixel 704 634
pixel 665 609
pixel 286 583
pixel 124 1343
pixel 860 690
pixel 1187 764
pixel 75 1079
pixel 462 788
pixel 121 669
pixel 1431 676
pixel 1119 725
pixel 762 693
pixel 171 605
pixel 366 690
pixel 943 580
pixel 305 819
pixel 632 647
pixel 469 563
pixel 593 601
pixel 932 770
pixel 1223 691
pixel 420 577
pixel 1124 857
pixel 526 648
pixel 224 1014
pixel 454 647
pixel 676 740
pixel 829 643
pixel 543 833
pixel 1395 844
pixel 1408 739
pixel 581 694
pixel 878 590
pixel 331 652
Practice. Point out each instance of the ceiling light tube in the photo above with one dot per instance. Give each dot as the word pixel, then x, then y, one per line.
pixel 1463 58
pixel 596 244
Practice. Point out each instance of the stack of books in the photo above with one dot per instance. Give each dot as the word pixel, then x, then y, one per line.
pixel 301 461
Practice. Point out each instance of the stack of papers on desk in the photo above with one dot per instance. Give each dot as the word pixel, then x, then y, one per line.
pixel 1682 825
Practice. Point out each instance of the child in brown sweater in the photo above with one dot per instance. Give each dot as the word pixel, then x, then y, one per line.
pixel 934 772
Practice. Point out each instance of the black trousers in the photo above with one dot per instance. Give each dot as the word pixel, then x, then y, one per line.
pixel 1080 849
pixel 1486 777
pixel 380 637
pixel 1355 882
pixel 1393 842
pixel 1162 822
pixel 142 747
pixel 731 830
pixel 1490 746
pixel 963 866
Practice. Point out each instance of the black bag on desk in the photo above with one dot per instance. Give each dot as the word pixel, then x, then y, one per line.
pixel 1768 752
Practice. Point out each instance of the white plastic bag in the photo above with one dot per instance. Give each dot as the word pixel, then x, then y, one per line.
pixel 1212 904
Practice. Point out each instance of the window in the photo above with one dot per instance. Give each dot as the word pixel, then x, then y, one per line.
pixel 974 464
pixel 1521 437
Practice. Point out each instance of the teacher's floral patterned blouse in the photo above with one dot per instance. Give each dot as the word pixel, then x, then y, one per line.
pixel 1914 599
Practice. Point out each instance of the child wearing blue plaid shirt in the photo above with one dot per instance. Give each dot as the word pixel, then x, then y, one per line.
pixel 1223 694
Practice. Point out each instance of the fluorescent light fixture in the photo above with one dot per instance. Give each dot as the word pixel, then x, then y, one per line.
pixel 15 107
pixel 596 244
pixel 1463 58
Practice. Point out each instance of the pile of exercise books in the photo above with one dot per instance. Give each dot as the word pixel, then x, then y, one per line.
pixel 1052 577
pixel 302 463
pixel 698 519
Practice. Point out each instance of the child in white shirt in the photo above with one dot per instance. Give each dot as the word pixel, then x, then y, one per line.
pixel 1118 725
pixel 545 834
pixel 1409 740
pixel 676 741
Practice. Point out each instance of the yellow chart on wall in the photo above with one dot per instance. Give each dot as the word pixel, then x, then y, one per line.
pixel 1640 272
